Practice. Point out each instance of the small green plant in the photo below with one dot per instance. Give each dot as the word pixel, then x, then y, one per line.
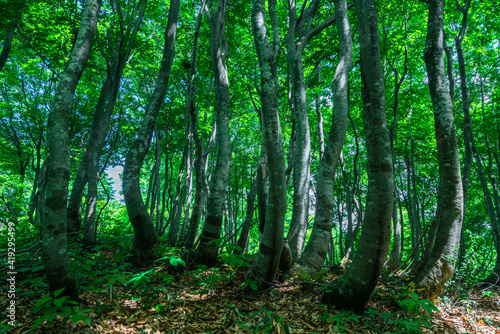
pixel 49 308
pixel 414 317
pixel 145 276
pixel 248 283
pixel 339 319
pixel 233 261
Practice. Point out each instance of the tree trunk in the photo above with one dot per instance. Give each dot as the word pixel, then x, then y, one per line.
pixel 199 159
pixel 54 220
pixel 266 263
pixel 247 223
pixel 302 153
pixel 145 236
pixel 395 256
pixel 360 279
pixel 440 266
pixel 207 250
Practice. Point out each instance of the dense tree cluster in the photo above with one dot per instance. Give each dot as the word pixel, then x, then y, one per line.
pixel 364 134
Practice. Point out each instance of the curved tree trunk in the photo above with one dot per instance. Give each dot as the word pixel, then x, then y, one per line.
pixel 440 266
pixel 54 221
pixel 314 254
pixel 360 279
pixel 145 236
pixel 207 250
pixel 266 263
pixel 200 175
pixel 302 153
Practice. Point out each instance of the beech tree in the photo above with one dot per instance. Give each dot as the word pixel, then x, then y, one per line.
pixel 300 32
pixel 54 221
pixel 145 236
pixel 440 266
pixel 317 248
pixel 360 279
pixel 266 263
pixel 207 250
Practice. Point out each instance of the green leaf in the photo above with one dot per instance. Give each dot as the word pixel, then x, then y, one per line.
pixel 58 292
pixel 175 262
pixel 60 301
pixel 44 300
pixel 37 323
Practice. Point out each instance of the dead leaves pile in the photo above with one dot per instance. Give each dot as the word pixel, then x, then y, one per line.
pixel 202 301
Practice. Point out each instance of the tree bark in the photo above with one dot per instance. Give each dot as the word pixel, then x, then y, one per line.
pixel 199 160
pixel 317 248
pixel 247 223
pixel 360 279
pixel 145 236
pixel 266 263
pixel 54 221
pixel 440 266
pixel 302 154
pixel 207 250
pixel 395 256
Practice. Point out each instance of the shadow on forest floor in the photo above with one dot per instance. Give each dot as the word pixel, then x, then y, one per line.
pixel 212 300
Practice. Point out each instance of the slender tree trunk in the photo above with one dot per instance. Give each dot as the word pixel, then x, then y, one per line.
pixel 247 223
pixel 302 153
pixel 262 186
pixel 207 250
pixel 181 191
pixel 360 279
pixel 471 151
pixel 145 236
pixel 54 220
pixel 440 266
pixel 99 137
pixel 395 256
pixel 199 159
pixel 266 263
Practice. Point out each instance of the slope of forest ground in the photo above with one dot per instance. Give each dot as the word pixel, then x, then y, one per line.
pixel 122 294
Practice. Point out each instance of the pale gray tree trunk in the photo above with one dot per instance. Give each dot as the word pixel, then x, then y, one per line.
pixel 300 27
pixel 54 220
pixel 395 256
pixel 266 263
pixel 315 252
pixel 145 236
pixel 207 250
pixel 440 266
pixel 199 159
pixel 360 279
pixel 467 127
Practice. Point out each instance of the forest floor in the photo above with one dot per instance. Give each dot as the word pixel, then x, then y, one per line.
pixel 201 300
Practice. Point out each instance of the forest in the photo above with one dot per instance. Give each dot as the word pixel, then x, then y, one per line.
pixel 228 166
